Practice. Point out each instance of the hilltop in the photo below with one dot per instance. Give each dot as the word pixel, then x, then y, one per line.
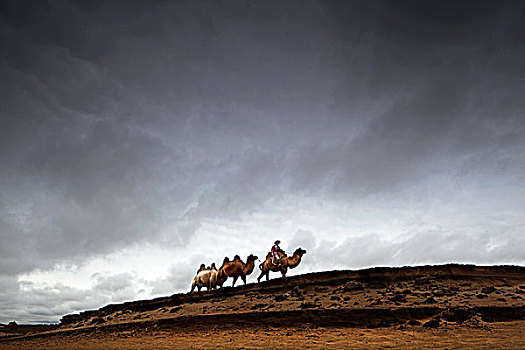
pixel 383 306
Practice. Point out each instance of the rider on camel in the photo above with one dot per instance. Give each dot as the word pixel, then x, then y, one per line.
pixel 276 250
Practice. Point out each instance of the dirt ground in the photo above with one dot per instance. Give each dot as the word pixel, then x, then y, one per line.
pixel 500 335
pixel 449 306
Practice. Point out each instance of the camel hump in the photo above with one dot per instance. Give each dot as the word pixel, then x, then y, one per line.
pixel 236 257
pixel 201 268
pixel 202 273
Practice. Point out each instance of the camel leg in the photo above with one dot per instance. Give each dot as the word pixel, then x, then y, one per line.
pixel 234 280
pixel 243 279
pixel 267 275
pixel 260 276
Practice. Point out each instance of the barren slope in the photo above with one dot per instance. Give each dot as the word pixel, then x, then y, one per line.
pixel 335 308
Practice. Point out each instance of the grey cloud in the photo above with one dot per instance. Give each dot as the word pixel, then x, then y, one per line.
pixel 302 239
pixel 89 195
pixel 27 302
pixel 180 276
pixel 111 283
pixel 391 150
pixel 418 248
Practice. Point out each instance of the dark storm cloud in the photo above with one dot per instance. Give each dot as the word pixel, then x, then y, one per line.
pixel 450 87
pixel 111 122
pixel 120 119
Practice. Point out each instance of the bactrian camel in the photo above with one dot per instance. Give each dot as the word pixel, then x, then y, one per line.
pixel 285 263
pixel 205 278
pixel 235 269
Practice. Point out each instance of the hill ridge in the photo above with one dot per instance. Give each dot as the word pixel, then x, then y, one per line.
pixel 375 275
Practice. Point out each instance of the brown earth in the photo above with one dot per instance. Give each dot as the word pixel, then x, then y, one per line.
pixel 448 306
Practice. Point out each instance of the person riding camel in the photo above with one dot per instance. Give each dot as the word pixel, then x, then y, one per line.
pixel 276 250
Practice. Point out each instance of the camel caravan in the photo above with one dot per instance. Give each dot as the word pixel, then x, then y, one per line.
pixel 276 261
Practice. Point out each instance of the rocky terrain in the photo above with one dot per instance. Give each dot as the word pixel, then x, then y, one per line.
pixel 447 306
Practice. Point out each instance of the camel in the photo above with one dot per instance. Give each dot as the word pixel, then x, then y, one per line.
pixel 286 262
pixel 205 278
pixel 236 268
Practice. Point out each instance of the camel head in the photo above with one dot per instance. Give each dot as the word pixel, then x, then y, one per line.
pixel 299 251
pixel 252 257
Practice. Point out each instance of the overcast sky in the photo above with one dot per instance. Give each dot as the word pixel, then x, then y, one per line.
pixel 138 140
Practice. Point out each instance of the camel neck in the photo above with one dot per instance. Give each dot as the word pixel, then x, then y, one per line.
pixel 248 268
pixel 294 260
